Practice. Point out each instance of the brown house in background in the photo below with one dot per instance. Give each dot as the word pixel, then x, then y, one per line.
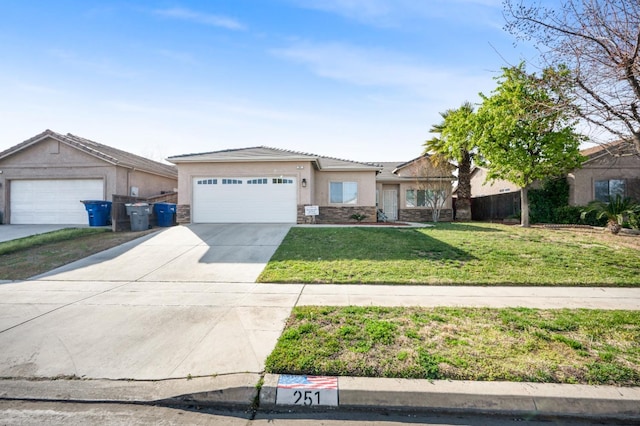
pixel 609 170
pixel 43 179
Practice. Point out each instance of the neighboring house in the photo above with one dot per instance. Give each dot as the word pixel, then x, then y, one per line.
pixel 493 200
pixel 480 187
pixel 269 185
pixel 609 170
pixel 43 179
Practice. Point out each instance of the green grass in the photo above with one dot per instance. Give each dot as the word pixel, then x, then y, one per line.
pixel 583 346
pixel 66 234
pixel 451 254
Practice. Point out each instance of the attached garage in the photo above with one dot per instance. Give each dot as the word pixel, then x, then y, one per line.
pixel 55 201
pixel 257 199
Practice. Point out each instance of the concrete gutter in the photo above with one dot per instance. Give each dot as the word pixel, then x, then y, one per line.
pixel 507 398
pixel 233 390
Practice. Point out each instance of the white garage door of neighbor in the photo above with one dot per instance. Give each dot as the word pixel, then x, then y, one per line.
pixel 244 200
pixel 55 201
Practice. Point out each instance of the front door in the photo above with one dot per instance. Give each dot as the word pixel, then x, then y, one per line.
pixel 390 203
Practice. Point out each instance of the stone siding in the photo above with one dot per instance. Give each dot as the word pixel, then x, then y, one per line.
pixel 423 215
pixel 183 213
pixel 338 214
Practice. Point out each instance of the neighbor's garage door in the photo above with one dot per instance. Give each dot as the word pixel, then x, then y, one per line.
pixel 54 201
pixel 244 200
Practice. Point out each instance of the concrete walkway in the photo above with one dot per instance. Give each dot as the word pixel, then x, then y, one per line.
pixel 179 313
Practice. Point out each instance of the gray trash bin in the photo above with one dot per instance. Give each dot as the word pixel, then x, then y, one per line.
pixel 139 215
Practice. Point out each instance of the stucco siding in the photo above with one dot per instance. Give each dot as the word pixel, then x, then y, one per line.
pixel 298 170
pixel 480 187
pixel 366 187
pixel 582 181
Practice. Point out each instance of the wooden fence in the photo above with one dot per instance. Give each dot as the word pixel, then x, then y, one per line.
pixel 496 207
pixel 119 218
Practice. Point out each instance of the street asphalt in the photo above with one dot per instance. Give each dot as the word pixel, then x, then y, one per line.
pixel 176 317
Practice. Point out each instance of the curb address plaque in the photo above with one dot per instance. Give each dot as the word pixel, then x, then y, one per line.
pixel 308 391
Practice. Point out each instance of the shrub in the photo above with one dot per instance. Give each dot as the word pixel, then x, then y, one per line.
pixel 544 201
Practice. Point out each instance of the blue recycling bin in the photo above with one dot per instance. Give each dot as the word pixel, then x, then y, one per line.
pixel 99 212
pixel 164 213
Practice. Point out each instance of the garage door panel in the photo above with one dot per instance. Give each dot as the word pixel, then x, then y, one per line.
pixel 53 201
pixel 264 202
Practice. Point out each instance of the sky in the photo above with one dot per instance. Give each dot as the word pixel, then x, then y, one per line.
pixel 362 80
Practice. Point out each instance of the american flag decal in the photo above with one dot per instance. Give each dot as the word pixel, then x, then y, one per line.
pixel 307 382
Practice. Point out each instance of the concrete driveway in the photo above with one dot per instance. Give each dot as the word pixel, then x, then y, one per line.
pixel 177 303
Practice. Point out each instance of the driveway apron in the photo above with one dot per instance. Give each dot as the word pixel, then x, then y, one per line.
pixel 180 302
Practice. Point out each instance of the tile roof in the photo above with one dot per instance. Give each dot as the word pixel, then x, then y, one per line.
pixel 264 153
pixel 619 147
pixel 109 154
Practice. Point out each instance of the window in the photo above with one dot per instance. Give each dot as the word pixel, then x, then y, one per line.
pixel 283 181
pixel 424 197
pixel 343 192
pixel 231 181
pixel 208 182
pixel 609 188
pixel 262 181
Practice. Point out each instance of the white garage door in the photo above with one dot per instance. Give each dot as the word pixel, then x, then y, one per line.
pixel 244 200
pixel 54 201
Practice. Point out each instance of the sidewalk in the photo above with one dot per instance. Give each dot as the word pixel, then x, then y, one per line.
pixel 238 388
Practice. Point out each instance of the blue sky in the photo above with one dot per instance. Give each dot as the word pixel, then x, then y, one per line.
pixel 357 79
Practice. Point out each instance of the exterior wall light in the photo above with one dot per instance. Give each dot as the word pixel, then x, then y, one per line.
pixel 304 182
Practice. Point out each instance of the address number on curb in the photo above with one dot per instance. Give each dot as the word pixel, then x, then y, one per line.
pixel 307 391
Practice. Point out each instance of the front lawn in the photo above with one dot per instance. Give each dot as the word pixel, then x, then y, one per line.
pixel 582 346
pixel 455 254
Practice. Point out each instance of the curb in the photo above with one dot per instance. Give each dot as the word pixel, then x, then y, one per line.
pixel 531 399
pixel 234 390
pixel 354 393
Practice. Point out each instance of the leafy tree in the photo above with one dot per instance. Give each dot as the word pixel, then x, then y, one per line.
pixel 599 41
pixel 455 143
pixel 523 134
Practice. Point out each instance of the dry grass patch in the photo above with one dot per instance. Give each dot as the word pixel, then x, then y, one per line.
pixel 517 344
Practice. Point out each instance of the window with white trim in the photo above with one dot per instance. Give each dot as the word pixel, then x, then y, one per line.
pixel 261 181
pixel 421 197
pixel 232 181
pixel 343 192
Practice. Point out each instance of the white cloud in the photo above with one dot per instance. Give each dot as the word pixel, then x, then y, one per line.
pixel 394 13
pixel 201 18
pixel 384 69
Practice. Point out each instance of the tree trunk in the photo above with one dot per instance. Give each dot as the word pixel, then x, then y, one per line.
pixel 524 207
pixel 463 205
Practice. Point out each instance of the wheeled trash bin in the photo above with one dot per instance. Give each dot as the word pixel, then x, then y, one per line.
pixel 99 212
pixel 138 215
pixel 164 213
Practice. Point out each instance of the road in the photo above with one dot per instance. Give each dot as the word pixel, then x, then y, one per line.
pixel 72 414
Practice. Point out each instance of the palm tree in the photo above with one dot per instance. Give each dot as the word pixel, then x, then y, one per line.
pixel 616 210
pixel 455 144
